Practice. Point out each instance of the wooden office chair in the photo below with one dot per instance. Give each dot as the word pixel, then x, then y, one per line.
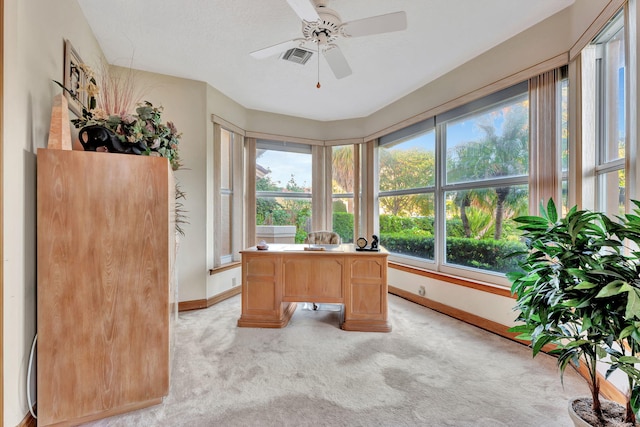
pixel 322 238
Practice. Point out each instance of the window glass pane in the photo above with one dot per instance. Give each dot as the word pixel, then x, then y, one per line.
pixel 612 189
pixel 281 211
pixel 342 185
pixel 610 58
pixel 225 159
pixel 408 164
pixel 225 232
pixel 563 111
pixel 287 171
pixel 283 193
pixel 480 231
pixel 488 144
pixel 407 224
pixel 610 116
pixel 342 169
pixel 343 218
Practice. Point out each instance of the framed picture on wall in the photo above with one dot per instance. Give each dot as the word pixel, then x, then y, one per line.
pixel 75 80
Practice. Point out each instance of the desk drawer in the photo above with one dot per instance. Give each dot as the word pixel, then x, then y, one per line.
pixel 317 280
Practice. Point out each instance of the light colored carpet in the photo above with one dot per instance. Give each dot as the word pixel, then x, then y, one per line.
pixel 431 370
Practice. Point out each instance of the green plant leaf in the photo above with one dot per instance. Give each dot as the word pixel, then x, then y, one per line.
pixel 528 219
pixel 633 304
pixel 629 359
pixel 577 343
pixel 610 289
pixel 552 212
pixel 541 342
pixel 585 285
pixel 626 332
pixel 520 329
pixel 634 400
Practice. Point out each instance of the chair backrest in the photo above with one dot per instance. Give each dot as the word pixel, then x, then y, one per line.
pixel 323 238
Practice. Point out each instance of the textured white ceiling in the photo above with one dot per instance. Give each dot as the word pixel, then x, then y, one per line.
pixel 210 40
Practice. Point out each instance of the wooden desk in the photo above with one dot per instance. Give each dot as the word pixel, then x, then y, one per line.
pixel 274 280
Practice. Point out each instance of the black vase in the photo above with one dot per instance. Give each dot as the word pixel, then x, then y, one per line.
pixel 100 138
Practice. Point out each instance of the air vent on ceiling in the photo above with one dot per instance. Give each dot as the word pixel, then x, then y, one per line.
pixel 297 55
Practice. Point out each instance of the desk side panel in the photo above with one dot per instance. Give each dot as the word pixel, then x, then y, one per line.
pixel 262 304
pixel 366 307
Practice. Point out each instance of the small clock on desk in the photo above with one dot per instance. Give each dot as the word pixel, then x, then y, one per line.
pixel 361 244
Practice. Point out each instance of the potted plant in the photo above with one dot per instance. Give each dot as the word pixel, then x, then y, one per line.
pixel 578 295
pixel 107 123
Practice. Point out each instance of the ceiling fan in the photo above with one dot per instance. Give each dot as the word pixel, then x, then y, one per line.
pixel 323 26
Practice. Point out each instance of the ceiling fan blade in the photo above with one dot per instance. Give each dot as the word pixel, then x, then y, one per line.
pixel 275 49
pixel 337 62
pixel 305 9
pixel 396 21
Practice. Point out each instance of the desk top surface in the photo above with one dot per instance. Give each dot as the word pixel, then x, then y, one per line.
pixel 346 248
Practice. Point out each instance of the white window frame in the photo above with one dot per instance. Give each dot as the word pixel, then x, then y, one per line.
pixel 236 226
pixel 593 139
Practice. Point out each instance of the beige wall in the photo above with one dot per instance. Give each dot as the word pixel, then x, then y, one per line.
pixel 185 102
pixel 34 33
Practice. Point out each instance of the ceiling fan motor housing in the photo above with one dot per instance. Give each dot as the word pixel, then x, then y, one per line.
pixel 326 29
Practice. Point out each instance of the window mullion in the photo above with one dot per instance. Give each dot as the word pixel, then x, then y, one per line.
pixel 440 203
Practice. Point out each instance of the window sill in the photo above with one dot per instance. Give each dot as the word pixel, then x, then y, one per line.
pixel 456 280
pixel 225 267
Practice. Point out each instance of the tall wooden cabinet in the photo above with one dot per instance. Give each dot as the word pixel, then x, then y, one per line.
pixel 106 250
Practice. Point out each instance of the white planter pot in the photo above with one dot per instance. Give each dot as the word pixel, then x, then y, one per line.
pixel 612 411
pixel 577 421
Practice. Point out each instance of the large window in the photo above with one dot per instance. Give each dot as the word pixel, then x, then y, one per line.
pixel 283 188
pixel 610 117
pixel 406 182
pixel 486 179
pixel 562 110
pixel 449 187
pixel 227 238
pixel 226 195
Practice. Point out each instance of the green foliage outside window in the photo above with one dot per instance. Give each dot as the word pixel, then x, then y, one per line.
pixel 280 210
pixel 343 225
pixel 414 237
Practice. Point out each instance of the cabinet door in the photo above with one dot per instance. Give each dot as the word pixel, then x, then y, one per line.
pixel 262 305
pixel 105 239
pixel 261 293
pixel 366 304
pixel 313 277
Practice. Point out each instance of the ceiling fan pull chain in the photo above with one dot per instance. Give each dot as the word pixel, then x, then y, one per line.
pixel 318 85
